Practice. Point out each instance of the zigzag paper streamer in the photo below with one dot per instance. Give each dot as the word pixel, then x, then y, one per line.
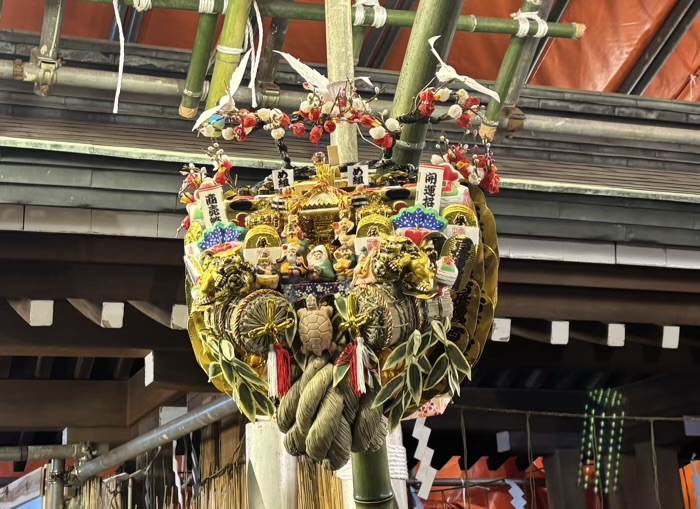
pixel 176 471
pixel 518 495
pixel 426 474
pixel 696 480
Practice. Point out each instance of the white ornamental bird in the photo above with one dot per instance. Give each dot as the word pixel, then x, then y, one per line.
pixel 323 86
pixel 226 102
pixel 446 73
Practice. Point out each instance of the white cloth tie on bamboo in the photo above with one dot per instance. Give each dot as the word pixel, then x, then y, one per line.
pixel 143 5
pixel 524 18
pixel 207 6
pixel 380 14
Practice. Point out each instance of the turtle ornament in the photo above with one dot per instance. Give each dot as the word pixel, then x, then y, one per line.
pixel 316 328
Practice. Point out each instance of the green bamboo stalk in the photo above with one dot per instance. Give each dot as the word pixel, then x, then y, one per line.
pixel 312 12
pixel 194 85
pixel 232 36
pixel 371 480
pixel 506 75
pixel 435 17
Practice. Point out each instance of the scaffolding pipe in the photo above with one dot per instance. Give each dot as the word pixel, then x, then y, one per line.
pixel 290 100
pixel 312 12
pixel 163 435
pixel 45 452
pixel 57 483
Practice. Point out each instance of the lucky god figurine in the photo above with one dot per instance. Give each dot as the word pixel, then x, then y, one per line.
pixel 292 264
pixel 320 266
pixel 344 261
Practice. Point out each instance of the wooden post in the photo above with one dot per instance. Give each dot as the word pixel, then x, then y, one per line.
pixel 341 66
pixel 562 476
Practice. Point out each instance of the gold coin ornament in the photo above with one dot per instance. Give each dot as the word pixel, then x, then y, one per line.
pixel 340 300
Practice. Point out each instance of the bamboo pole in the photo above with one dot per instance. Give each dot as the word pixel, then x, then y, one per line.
pixel 275 42
pixel 435 17
pixel 405 19
pixel 194 85
pixel 341 66
pixel 508 85
pixel 232 38
pixel 371 480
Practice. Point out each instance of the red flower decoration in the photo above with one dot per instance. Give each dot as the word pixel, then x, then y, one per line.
pixel 316 134
pixel 315 114
pixel 367 121
pixel 220 178
pixel 427 95
pixel 465 121
pixel 298 129
pixel 285 121
pixel 473 102
pixel 249 121
pixel 426 108
pixel 491 182
pixel 329 126
pixel 387 141
pixel 240 134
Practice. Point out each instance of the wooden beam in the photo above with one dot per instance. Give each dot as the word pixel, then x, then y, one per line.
pixel 608 306
pixel 562 476
pixel 173 317
pixel 5 367
pixel 176 370
pixel 501 330
pixel 108 315
pixel 112 436
pixel 44 365
pixel 122 369
pixel 55 404
pixel 143 400
pixel 37 313
pixel 23 490
pixel 83 368
pixel 73 336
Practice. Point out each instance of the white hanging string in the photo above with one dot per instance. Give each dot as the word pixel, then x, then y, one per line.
pixel 255 61
pixel 120 74
pixel 693 84
pixel 143 5
pixel 524 18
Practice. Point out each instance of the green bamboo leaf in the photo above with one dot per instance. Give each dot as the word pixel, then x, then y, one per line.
pixel 341 305
pixel 247 373
pixel 457 359
pixel 437 373
pixel 424 365
pixel 414 342
pixel 415 383
pixel 246 402
pixel 213 346
pixel 340 371
pixel 263 403
pixel 215 370
pixel 396 357
pixel 388 390
pixel 227 350
pixel 425 341
pixel 439 330
pixel 454 382
pixel 395 416
pixel 227 371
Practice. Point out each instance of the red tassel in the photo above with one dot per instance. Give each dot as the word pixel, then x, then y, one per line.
pixel 284 370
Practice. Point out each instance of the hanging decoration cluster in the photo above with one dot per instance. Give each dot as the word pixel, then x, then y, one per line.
pixel 340 299
pixel 601 442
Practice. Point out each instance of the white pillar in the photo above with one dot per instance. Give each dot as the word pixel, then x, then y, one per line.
pixel 271 471
pixel 398 468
